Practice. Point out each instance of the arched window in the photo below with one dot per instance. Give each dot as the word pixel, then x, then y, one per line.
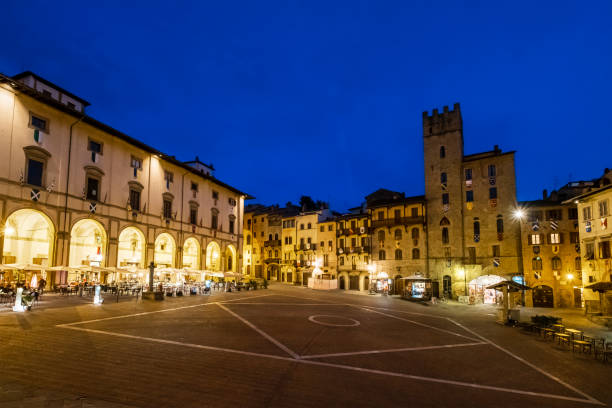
pixel 248 240
pixel 442 152
pixel 270 237
pixel 276 253
pixel 500 225
pixel 578 264
pixel 444 221
pixel 309 225
pixel 415 233
pixel 536 263
pixel 270 254
pixel 476 227
pixel 556 263
pixel 416 254
pixel 381 255
pixel 398 234
pixel 445 238
pixel 276 237
pixel 341 260
pixel 443 179
pixel 381 235
pixel 398 254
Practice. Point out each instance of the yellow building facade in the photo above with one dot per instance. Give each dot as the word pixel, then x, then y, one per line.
pixel 76 192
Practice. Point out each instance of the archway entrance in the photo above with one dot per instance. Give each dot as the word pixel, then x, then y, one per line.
pixel 342 284
pixel 28 239
pixel 131 246
pixel 165 249
pixel 543 296
pixel 354 282
pixel 213 257
pixel 191 253
pixel 230 258
pixel 447 286
pixel 87 244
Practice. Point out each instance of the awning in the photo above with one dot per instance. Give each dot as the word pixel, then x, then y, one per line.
pixel 512 286
pixel 600 286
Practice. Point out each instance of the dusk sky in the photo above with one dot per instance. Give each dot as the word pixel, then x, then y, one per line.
pixel 326 98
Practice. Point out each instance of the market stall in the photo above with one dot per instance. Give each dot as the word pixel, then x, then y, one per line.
pixel 417 288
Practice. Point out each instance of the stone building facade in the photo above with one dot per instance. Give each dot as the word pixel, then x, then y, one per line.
pixel 398 236
pixel 595 228
pixel 74 192
pixel 551 250
pixel 470 200
pixel 354 249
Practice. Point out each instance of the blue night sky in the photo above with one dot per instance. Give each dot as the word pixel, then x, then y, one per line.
pixel 326 98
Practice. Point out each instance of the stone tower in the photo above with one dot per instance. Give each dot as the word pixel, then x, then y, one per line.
pixel 443 150
pixel 470 202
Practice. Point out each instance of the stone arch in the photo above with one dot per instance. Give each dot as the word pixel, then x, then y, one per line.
pixel 131 247
pixel 88 240
pixel 343 280
pixel 191 253
pixel 29 238
pixel 165 250
pixel 364 281
pixel 230 258
pixel 213 256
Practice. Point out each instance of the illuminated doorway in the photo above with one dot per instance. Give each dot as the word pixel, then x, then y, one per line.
pixel 87 244
pixel 213 257
pixel 165 248
pixel 191 253
pixel 131 248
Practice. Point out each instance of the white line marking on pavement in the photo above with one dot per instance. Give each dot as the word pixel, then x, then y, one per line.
pixel 178 343
pixel 393 350
pixel 403 311
pixel 341 366
pixel 527 363
pixel 451 382
pixel 418 323
pixel 152 312
pixel 286 304
pixel 263 333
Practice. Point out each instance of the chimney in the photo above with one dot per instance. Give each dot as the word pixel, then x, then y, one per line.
pixel 544 194
pixel 496 149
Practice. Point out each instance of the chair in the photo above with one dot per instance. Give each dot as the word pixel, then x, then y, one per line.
pixel 603 350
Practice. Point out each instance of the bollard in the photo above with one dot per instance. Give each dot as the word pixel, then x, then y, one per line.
pixel 18 306
pixel 97 296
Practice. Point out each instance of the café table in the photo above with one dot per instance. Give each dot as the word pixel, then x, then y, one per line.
pixel 574 333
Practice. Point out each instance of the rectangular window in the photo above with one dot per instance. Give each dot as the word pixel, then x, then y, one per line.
pixel 94 147
pixel 445 199
pixel 353 224
pixel 214 222
pixel 589 250
pixel 469 196
pixel 215 195
pixel 168 178
pixel 330 227
pixel 381 215
pixel 35 172
pixel 468 174
pixel 322 228
pixel 136 164
pixel 603 208
pixel 93 186
pixel 167 209
pixel 572 213
pixel 38 123
pixel 604 250
pixel 231 201
pixel 555 238
pixel 554 215
pixel 135 200
pixel 325 260
pixel 535 216
pixel 534 239
pixel 586 213
pixel 496 251
pixel 193 216
pixel 397 214
pixel 341 243
pixel 445 237
pixel 574 237
pixel 330 244
pixel 194 187
pixel 492 170
pixel 414 212
pixel 492 193
pixel 353 242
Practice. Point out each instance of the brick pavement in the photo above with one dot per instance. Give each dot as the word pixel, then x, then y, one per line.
pixel 175 358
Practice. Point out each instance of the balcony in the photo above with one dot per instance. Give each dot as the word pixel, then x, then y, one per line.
pixel 306 247
pixel 352 231
pixel 390 222
pixel 272 243
pixel 353 250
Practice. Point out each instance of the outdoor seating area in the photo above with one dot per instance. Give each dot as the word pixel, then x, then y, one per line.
pixel 550 328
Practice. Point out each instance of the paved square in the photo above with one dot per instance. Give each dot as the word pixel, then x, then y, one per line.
pixel 410 352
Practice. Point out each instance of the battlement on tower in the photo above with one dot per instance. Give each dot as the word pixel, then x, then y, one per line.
pixel 439 123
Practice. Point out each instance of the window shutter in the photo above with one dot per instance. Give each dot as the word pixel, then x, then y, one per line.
pixel 529 239
pixel 560 237
pixel 542 238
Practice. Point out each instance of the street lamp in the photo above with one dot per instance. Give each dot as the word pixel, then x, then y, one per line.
pixel 371 269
